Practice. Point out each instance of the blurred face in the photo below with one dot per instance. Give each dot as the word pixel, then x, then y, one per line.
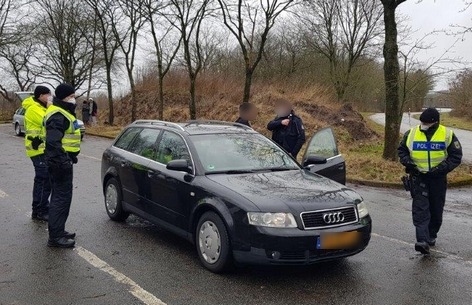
pixel 253 112
pixel 70 99
pixel 45 98
pixel 426 126
pixel 282 110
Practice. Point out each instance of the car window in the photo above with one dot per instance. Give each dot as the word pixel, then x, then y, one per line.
pixel 127 137
pixel 323 144
pixel 240 152
pixel 172 147
pixel 144 144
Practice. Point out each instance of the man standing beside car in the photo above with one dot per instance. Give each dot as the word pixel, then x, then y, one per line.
pixel 36 106
pixel 429 152
pixel 287 128
pixel 62 148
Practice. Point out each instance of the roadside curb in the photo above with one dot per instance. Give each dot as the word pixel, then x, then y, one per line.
pixel 88 133
pixel 393 185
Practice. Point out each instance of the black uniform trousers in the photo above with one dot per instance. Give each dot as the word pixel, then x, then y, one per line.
pixel 41 187
pixel 429 196
pixel 61 198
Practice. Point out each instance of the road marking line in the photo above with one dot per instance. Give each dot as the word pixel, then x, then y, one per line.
pixel 90 157
pixel 3 194
pixel 446 254
pixel 143 295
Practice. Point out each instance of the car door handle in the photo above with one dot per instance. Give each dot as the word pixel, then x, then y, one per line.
pixel 152 174
pixel 124 164
pixel 341 167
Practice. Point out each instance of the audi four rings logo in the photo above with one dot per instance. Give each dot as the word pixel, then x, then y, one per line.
pixel 331 218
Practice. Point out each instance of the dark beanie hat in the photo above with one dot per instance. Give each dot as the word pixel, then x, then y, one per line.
pixel 430 115
pixel 39 90
pixel 64 90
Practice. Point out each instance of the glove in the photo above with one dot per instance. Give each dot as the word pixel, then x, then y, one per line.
pixel 35 142
pixel 439 170
pixel 74 159
pixel 411 168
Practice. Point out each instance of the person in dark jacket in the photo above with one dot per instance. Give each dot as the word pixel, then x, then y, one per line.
pixel 287 128
pixel 86 112
pixel 62 148
pixel 429 152
pixel 247 113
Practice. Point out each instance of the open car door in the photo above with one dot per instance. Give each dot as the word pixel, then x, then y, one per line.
pixel 322 156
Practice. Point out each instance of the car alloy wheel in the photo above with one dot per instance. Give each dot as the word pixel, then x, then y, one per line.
pixel 209 241
pixel 111 198
pixel 17 129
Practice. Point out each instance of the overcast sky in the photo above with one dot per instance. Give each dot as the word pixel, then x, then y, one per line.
pixel 430 15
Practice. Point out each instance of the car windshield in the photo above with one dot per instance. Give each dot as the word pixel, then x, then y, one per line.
pixel 240 153
pixel 23 95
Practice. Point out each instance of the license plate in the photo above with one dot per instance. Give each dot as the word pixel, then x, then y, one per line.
pixel 338 241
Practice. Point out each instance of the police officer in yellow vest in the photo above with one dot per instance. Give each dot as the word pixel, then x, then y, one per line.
pixel 62 148
pixel 36 106
pixel 429 152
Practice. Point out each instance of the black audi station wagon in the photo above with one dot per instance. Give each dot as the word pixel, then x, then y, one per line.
pixel 235 194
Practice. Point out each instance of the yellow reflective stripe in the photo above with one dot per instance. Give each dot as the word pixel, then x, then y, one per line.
pixel 72 136
pixel 70 145
pixel 33 132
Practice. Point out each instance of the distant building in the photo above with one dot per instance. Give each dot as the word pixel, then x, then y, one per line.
pixel 437 99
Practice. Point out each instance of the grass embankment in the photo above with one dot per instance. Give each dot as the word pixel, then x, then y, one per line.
pixel 453 121
pixel 365 164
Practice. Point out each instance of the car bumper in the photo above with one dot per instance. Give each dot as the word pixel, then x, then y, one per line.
pixel 269 246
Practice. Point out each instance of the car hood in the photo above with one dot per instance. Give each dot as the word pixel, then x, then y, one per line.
pixel 27 102
pixel 288 191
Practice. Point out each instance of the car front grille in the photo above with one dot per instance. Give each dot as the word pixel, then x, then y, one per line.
pixel 329 218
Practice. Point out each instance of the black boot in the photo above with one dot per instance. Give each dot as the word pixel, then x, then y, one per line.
pixel 40 217
pixel 69 235
pixel 61 242
pixel 422 247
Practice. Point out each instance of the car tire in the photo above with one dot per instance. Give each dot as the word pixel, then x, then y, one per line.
pixel 213 244
pixel 114 201
pixel 18 131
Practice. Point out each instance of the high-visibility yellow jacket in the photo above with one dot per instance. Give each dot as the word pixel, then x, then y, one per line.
pixel 71 139
pixel 428 154
pixel 34 117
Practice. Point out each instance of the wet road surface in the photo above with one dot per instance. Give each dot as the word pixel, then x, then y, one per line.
pixel 138 263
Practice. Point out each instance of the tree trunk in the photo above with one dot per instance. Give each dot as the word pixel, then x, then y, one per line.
pixel 391 74
pixel 133 93
pixel 247 85
pixel 192 107
pixel 161 97
pixel 111 115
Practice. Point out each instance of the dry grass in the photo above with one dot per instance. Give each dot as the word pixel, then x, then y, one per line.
pixel 360 139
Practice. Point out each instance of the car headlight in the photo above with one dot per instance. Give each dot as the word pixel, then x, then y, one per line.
pixel 362 210
pixel 273 220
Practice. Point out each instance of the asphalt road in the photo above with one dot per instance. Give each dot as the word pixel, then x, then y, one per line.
pixel 464 136
pixel 138 263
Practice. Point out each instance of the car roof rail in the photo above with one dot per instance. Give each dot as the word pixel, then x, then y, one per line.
pixel 216 122
pixel 159 123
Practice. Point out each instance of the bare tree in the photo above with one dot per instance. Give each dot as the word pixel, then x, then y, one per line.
pixel 250 23
pixel 393 111
pixel 63 39
pixel 126 34
pixel 105 11
pixel 189 16
pixel 343 31
pixel 165 47
pixel 18 59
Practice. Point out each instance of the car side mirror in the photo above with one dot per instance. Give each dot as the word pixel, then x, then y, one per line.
pixel 180 165
pixel 312 160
